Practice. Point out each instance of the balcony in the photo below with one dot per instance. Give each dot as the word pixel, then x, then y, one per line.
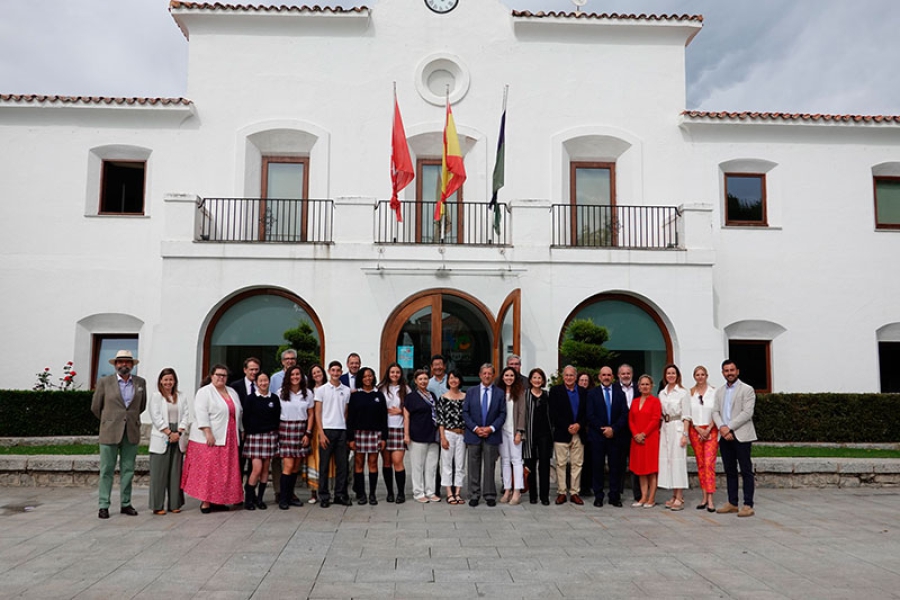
pixel 466 223
pixel 265 220
pixel 628 227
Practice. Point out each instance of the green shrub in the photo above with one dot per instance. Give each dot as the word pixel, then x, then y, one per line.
pixel 826 417
pixel 24 413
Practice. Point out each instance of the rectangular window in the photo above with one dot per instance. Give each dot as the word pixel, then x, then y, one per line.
pixel 428 192
pixel 752 358
pixel 887 202
pixel 593 199
pixel 122 187
pixel 283 209
pixel 104 347
pixel 889 362
pixel 745 199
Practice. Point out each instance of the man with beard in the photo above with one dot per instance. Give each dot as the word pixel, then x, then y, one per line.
pixel 118 402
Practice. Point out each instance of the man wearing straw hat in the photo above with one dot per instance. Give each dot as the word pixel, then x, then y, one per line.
pixel 118 402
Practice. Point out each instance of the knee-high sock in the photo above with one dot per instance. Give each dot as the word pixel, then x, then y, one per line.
pixel 401 481
pixel 373 482
pixel 388 473
pixel 260 491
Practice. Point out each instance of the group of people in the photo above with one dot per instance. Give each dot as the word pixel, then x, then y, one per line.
pixel 220 446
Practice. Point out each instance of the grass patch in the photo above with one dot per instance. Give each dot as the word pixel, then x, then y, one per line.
pixel 816 452
pixel 67 450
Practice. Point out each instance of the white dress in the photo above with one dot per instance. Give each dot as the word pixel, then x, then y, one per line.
pixel 672 457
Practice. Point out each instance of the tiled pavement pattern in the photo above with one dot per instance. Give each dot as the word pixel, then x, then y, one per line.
pixel 805 543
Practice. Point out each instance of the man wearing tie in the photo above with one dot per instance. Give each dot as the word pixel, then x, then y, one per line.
pixel 626 383
pixel 118 402
pixel 484 412
pixel 733 414
pixel 607 420
pixel 246 386
pixel 354 362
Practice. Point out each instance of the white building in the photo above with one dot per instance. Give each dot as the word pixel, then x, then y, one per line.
pixel 197 230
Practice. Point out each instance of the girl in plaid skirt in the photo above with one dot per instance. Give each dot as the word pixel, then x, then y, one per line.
pixel 297 418
pixel 262 415
pixel 367 431
pixel 393 387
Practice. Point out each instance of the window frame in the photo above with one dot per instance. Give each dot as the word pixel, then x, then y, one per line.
pixel 102 195
pixel 875 180
pixel 421 162
pixel 767 344
pixel 97 341
pixel 764 222
pixel 268 159
pixel 574 165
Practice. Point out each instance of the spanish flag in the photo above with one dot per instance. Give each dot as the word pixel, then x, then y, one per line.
pixel 453 171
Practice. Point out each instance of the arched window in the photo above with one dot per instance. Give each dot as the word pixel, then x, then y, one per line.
pixel 637 334
pixel 253 323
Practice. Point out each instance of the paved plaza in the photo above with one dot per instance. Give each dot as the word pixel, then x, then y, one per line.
pixel 808 543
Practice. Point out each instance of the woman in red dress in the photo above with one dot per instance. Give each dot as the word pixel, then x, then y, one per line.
pixel 212 470
pixel 643 420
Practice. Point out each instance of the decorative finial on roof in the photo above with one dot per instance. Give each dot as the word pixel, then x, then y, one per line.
pixel 578 4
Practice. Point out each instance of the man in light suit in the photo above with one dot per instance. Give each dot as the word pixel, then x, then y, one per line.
pixel 484 412
pixel 607 425
pixel 733 415
pixel 118 402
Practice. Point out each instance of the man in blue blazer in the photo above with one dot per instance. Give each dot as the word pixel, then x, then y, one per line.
pixel 354 362
pixel 484 412
pixel 607 420
pixel 568 418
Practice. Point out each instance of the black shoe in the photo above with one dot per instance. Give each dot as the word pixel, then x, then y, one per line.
pixel 346 501
pixel 598 502
pixel 284 504
pixel 129 510
pixel 206 510
pixel 295 501
pixel 616 503
pixel 473 502
pixel 491 502
pixel 324 503
pixel 261 505
pixel 362 500
pixel 249 505
pixel 103 513
pixel 532 500
pixel 401 498
pixel 390 497
pixel 545 502
pixel 373 500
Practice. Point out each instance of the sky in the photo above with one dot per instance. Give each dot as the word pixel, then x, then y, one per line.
pixel 813 56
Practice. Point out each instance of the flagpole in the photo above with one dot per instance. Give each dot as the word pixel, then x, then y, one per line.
pixel 444 205
pixel 395 226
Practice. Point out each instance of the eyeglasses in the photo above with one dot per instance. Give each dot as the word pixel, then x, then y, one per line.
pixel 220 374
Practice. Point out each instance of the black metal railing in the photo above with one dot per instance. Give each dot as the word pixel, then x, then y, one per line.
pixel 468 223
pixel 265 220
pixel 614 226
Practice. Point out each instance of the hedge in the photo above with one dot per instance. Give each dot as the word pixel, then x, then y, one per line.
pixel 48 413
pixel 847 418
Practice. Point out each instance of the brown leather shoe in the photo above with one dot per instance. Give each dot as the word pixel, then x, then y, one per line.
pixel 728 508
pixel 576 499
pixel 561 499
pixel 746 511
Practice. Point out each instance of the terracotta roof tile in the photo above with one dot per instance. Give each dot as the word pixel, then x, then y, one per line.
pixel 748 116
pixel 52 99
pixel 615 16
pixel 224 6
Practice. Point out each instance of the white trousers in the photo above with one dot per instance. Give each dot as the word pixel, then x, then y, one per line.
pixel 423 460
pixel 511 462
pixel 456 454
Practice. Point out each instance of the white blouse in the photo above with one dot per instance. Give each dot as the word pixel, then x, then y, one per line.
pixel 297 408
pixel 392 396
pixel 701 414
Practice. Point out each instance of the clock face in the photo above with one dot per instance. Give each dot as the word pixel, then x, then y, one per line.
pixel 441 6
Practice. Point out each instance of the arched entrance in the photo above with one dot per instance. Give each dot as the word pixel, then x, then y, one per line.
pixel 637 334
pixel 252 323
pixel 442 321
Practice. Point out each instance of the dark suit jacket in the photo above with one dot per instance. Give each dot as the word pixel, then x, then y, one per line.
pixel 496 415
pixel 240 387
pixel 561 413
pixel 116 421
pixel 597 418
pixel 345 379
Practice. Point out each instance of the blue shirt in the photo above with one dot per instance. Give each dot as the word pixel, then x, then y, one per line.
pixel 574 400
pixel 126 388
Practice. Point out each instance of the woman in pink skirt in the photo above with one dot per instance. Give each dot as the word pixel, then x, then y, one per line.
pixel 212 471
